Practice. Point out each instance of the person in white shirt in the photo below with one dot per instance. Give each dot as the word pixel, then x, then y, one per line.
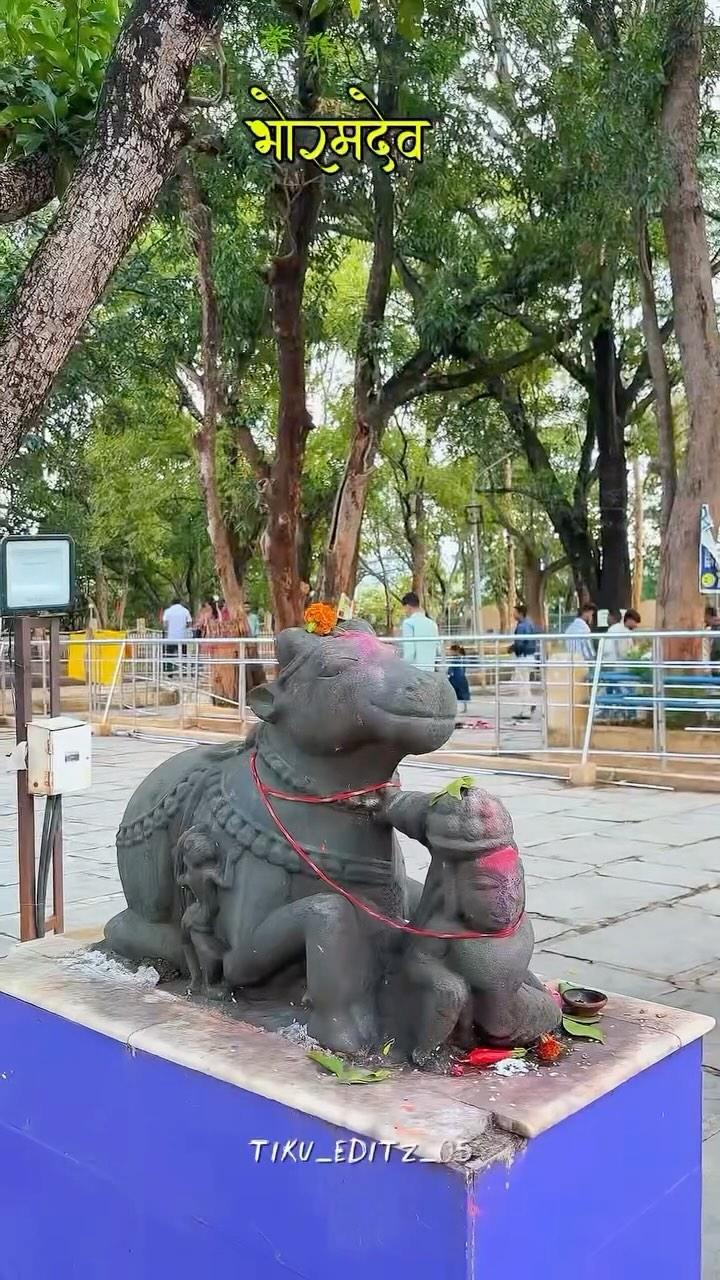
pixel 420 635
pixel 579 644
pixel 619 643
pixel 177 623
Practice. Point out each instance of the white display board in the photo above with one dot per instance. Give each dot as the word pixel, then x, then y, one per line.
pixel 36 574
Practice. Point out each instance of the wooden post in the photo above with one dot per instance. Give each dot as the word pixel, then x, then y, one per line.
pixel 22 659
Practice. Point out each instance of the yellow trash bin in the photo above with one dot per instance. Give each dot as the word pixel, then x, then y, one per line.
pixel 96 662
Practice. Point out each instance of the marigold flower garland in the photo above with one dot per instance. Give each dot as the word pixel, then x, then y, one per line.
pixel 320 619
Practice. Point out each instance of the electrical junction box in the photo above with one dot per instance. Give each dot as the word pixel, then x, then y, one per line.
pixel 58 756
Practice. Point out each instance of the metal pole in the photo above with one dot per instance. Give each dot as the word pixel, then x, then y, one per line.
pixel 593 699
pixel 22 658
pixel 543 693
pixel 58 918
pixel 477 578
pixel 497 698
pixel 113 686
pixel 655 687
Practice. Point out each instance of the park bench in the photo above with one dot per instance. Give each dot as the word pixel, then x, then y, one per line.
pixel 620 692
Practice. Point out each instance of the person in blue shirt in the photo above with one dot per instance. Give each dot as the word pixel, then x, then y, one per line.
pixel 420 636
pixel 458 676
pixel 525 648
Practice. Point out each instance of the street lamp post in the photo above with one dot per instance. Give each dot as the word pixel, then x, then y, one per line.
pixel 474 515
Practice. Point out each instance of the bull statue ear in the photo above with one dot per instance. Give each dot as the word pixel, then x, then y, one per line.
pixel 292 644
pixel 262 701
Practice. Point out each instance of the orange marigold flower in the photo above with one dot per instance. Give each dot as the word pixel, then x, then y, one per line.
pixel 321 619
pixel 548 1049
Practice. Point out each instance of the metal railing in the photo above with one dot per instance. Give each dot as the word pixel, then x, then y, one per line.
pixel 578 697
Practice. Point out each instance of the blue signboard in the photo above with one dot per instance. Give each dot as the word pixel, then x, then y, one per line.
pixel 709 555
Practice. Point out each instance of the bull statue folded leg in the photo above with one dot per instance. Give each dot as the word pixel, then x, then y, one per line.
pixel 215 889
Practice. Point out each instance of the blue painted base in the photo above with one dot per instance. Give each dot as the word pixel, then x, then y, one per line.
pixel 117 1165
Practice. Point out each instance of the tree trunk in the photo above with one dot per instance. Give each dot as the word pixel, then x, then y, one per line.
pixel 117 181
pixel 614 586
pixel 283 492
pixel 534 586
pixel 369 416
pixel 102 607
pixel 638 535
pixel 299 190
pixel 120 605
pixel 343 546
pixel 205 439
pixel 510 550
pixel 570 522
pixel 419 550
pixel 662 405
pixel 680 605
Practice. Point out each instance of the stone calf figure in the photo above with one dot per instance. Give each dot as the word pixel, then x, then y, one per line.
pixel 476 989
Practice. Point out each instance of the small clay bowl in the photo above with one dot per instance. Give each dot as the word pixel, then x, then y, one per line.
pixel 583 1002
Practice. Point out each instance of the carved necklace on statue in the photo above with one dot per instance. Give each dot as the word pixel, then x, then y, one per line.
pixel 268 794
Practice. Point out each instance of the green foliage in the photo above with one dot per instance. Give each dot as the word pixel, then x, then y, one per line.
pixel 53 55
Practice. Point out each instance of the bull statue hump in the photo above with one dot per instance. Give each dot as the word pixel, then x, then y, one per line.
pixel 216 892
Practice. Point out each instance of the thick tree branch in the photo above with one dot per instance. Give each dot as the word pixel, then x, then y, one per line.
pixel 26 185
pixel 136 141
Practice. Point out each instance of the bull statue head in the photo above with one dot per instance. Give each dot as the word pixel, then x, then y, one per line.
pixel 350 690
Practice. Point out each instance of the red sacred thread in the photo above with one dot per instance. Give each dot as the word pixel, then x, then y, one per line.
pixel 266 792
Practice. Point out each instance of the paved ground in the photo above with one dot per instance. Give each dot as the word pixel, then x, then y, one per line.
pixel 624 885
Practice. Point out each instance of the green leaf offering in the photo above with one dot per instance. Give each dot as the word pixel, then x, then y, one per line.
pixel 329 1061
pixel 358 1075
pixel 583 1030
pixel 345 1073
pixel 457 788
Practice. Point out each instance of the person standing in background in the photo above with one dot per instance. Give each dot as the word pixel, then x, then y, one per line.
pixel 177 623
pixel 619 643
pixel 457 675
pixel 580 645
pixel 420 636
pixel 524 648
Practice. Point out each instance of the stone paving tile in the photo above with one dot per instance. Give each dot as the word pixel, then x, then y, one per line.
pixel 553 868
pixel 662 873
pixel 632 806
pixel 594 898
pixel 102 856
pixel 602 977
pixel 86 887
pixel 564 801
pixel 658 942
pixel 594 849
pixel 705 855
pixel 683 830
pixel 545 929
pixel 709 902
pixel 702 1002
pixel 530 833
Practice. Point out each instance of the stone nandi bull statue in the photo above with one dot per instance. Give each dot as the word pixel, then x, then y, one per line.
pixel 233 871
